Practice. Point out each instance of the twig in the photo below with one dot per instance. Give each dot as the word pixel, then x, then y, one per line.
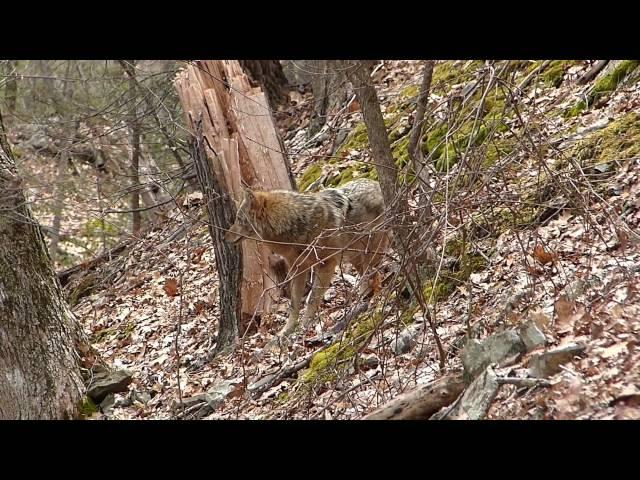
pixel 524 382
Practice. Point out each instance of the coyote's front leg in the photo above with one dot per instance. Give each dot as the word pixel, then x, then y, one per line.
pixel 297 291
pixel 323 275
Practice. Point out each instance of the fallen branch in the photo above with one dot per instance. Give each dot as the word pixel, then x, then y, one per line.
pixel 593 72
pixel 527 80
pixel 524 382
pixel 422 402
pixel 258 388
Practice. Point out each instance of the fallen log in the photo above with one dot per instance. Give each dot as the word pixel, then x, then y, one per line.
pixel 593 72
pixel 422 402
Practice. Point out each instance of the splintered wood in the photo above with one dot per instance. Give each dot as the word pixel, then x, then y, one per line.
pixel 238 125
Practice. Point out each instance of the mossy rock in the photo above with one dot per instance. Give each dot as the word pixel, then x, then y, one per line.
pixel 603 87
pixel 358 139
pixel 554 73
pixel 326 364
pixel 617 141
pixel 310 175
pixel 610 82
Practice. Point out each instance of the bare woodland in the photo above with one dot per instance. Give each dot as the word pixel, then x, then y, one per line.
pixel 509 289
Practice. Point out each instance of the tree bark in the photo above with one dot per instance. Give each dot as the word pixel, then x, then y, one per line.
pixel 59 186
pixel 134 126
pixel 593 72
pixel 268 75
pixel 40 374
pixel 358 73
pixel 11 87
pixel 422 402
pixel 238 126
pixel 329 91
pixel 221 211
pixel 413 148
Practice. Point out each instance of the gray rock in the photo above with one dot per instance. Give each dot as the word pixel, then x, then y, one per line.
pixel 105 382
pixel 142 397
pixel 575 289
pixel 545 364
pixel 478 355
pixel 477 398
pixel 108 402
pixel 202 405
pixel 405 340
pixel 531 335
pixel 370 362
pixel 123 401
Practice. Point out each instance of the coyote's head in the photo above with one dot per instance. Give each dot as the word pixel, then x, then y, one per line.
pixel 245 224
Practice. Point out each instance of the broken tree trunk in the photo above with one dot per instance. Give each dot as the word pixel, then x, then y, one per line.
pixel 238 126
pixel 221 213
pixel 422 402
pixel 269 76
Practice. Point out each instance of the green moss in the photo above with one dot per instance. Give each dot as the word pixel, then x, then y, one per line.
pixel 310 175
pixel 96 227
pixel 434 293
pixel 396 134
pixel 603 87
pixel 358 139
pixel 84 287
pixel 410 91
pixel 466 263
pixel 575 110
pixel 610 82
pixel 452 72
pixel 400 152
pixel 554 73
pixel 619 140
pixel 87 407
pixel 118 332
pixel 281 399
pixel 327 363
pixel 345 176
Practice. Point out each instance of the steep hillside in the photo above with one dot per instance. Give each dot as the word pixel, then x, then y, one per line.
pixel 536 219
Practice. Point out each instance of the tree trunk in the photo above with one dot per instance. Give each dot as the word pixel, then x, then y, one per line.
pixel 11 87
pixel 221 211
pixel 329 86
pixel 59 186
pixel 415 152
pixel 40 374
pixel 268 75
pixel 129 66
pixel 238 127
pixel 358 73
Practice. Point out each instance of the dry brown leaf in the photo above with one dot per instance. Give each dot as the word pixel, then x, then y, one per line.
pixel 200 306
pixel 197 254
pixel 614 350
pixel 543 256
pixel 171 287
pixel 564 309
pixel 540 319
pixel 623 239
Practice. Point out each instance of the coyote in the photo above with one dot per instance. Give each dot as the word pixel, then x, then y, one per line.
pixel 315 232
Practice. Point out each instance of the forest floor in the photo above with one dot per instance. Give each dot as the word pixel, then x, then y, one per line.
pixel 575 275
